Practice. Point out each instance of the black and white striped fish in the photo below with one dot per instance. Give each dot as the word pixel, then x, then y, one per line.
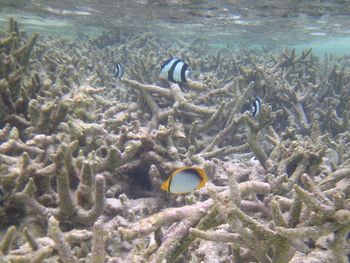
pixel 175 70
pixel 256 107
pixel 119 71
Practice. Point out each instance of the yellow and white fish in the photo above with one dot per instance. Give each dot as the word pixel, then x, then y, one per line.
pixel 185 180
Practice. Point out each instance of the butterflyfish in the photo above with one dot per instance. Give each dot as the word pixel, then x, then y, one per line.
pixel 118 71
pixel 256 107
pixel 185 180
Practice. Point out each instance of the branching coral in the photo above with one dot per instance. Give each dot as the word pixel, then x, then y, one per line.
pixel 83 155
pixel 14 62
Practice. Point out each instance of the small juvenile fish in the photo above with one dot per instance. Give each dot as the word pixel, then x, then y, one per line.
pixel 175 70
pixel 185 180
pixel 256 107
pixel 119 71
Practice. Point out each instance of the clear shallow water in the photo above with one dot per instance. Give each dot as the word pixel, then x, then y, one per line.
pixel 321 25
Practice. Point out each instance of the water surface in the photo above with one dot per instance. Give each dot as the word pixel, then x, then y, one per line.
pixel 321 25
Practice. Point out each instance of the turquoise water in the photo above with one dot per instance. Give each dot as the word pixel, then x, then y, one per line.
pixel 336 46
pixel 321 25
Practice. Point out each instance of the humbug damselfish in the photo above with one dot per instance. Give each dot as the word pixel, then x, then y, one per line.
pixel 185 180
pixel 118 71
pixel 175 70
pixel 256 107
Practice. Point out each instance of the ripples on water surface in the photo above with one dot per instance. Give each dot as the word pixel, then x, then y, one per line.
pixel 322 25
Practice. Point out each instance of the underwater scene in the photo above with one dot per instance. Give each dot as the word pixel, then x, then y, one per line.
pixel 174 131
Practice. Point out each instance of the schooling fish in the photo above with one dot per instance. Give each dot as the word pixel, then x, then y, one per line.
pixel 119 71
pixel 256 107
pixel 185 180
pixel 175 70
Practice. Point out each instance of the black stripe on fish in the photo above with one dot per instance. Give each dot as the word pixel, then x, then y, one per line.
pixel 183 72
pixel 171 71
pixel 119 71
pixel 166 63
pixel 256 107
pixel 170 183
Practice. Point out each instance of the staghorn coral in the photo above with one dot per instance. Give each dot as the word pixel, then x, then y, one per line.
pixel 83 156
pixel 14 63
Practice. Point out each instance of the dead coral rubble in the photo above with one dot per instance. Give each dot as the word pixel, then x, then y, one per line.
pixel 82 155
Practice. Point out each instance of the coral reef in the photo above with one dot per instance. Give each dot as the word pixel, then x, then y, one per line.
pixel 83 155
